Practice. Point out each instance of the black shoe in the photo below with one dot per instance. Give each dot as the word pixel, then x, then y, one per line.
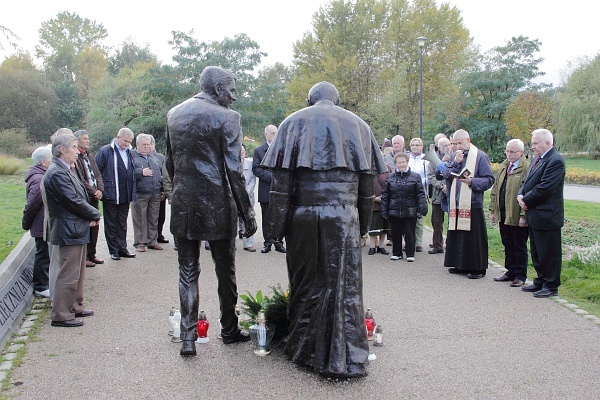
pixel 418 249
pixel 115 257
pixel 503 278
pixel 126 254
pixel 454 270
pixel 383 251
pixel 162 239
pixel 265 249
pixel 371 251
pixel 475 276
pixel 67 324
pixel 279 247
pixel 237 337
pixel 188 348
pixel 84 313
pixel 545 292
pixel 435 251
pixel 530 288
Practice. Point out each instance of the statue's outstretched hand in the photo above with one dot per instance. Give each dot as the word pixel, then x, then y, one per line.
pixel 250 227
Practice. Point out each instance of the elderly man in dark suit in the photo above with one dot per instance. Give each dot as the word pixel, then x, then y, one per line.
pixel 115 162
pixel 204 143
pixel 70 216
pixel 541 196
pixel 264 186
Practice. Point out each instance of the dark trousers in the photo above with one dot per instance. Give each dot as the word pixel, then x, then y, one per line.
pixel 161 218
pixel 403 227
pixel 91 246
pixel 41 265
pixel 115 226
pixel 223 255
pixel 546 255
pixel 264 209
pixel 514 239
pixel 437 222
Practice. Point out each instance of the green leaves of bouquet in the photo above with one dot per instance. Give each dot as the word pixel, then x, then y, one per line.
pixel 275 308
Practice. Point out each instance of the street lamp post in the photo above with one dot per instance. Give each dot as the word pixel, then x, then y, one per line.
pixel 421 41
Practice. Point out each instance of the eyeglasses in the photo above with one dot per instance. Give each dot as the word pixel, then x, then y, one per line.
pixel 511 151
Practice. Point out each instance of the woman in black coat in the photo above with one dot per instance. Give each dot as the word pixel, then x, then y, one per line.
pixel 403 201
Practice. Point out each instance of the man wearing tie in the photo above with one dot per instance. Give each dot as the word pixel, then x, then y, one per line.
pixel 505 210
pixel 541 196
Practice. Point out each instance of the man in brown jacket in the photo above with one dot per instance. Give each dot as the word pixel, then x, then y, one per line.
pixel 505 210
pixel 89 174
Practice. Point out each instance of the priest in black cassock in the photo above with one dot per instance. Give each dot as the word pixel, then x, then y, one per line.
pixel 468 175
pixel 324 161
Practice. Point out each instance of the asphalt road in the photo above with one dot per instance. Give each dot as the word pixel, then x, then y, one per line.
pixel 582 192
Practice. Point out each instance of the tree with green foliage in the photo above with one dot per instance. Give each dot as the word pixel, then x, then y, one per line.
pixel 267 102
pixel 128 55
pixel 505 71
pixel 26 100
pixel 116 103
pixel 7 38
pixel 529 111
pixel 62 39
pixel 74 57
pixel 579 114
pixel 368 49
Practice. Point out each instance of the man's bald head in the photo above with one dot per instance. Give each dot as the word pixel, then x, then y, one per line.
pixel 270 132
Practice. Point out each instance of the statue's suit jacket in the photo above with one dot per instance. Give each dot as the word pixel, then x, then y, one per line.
pixel 204 142
pixel 542 192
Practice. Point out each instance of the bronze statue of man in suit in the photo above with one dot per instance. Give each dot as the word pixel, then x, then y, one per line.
pixel 204 142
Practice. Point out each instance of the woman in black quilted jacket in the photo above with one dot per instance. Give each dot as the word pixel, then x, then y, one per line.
pixel 403 201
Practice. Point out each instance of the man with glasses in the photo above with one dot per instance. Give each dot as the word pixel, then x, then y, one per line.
pixel 505 210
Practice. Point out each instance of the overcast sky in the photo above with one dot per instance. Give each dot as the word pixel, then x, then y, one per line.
pixel 567 29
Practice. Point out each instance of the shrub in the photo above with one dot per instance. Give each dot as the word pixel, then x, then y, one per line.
pixel 9 165
pixel 582 176
pixel 14 142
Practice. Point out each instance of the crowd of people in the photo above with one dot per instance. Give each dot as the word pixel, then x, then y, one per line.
pixel 526 201
pixel 320 187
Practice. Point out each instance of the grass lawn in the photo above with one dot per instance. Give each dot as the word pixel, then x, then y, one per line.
pixel 12 202
pixel 583 163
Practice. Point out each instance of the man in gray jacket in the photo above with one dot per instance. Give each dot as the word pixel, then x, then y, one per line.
pixel 70 216
pixel 148 186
